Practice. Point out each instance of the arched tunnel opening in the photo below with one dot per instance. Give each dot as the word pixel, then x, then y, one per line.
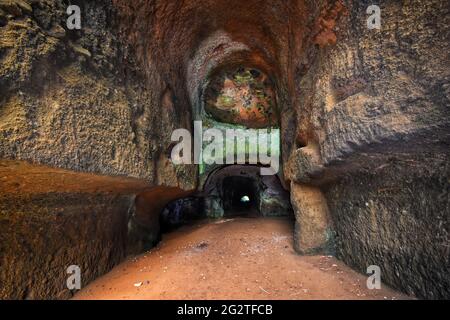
pixel 230 191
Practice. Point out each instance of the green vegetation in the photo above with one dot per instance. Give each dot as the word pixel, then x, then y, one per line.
pixel 244 77
pixel 226 101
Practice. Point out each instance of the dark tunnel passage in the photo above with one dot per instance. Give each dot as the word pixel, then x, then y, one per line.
pixel 240 196
pixel 181 212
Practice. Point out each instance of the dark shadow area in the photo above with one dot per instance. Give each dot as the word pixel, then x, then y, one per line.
pixel 240 196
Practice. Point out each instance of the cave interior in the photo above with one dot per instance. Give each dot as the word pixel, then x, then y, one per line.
pixel 87 117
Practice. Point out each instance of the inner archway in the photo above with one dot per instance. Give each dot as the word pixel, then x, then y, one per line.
pixel 242 190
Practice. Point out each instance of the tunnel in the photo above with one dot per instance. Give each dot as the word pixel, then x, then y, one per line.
pixel 240 196
pixel 356 175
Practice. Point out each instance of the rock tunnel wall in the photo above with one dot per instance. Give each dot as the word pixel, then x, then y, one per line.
pixel 82 95
pixel 351 102
pixel 373 110
pixel 78 101
pixel 51 219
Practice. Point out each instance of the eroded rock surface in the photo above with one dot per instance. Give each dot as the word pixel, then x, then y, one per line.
pixel 313 230
pixel 361 112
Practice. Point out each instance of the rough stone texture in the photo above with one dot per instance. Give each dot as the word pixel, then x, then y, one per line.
pixel 271 199
pixel 374 88
pixel 144 225
pixel 78 100
pixel 81 95
pixel 181 212
pixel 274 200
pixel 39 242
pixel 305 165
pixel 241 96
pixel 313 231
pixel 398 220
pixel 367 99
pixel 350 102
pixel 51 219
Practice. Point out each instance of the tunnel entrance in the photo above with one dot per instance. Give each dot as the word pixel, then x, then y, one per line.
pixel 231 191
pixel 240 196
pixel 181 212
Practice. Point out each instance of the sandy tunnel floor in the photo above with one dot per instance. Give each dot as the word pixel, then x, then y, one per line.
pixel 241 258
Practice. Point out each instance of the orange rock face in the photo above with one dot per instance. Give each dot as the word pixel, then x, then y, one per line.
pixel 326 23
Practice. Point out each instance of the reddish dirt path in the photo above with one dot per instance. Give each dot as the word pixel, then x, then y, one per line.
pixel 232 259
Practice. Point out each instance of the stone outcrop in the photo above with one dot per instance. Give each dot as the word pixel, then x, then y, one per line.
pixel 313 231
pixel 51 219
